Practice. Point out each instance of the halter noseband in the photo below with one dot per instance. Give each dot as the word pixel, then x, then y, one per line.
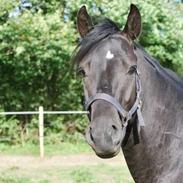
pixel 125 115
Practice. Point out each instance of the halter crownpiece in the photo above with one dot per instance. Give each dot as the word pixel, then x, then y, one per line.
pixel 125 115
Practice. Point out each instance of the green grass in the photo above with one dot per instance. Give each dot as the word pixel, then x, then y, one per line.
pixel 13 179
pixel 100 173
pixel 80 174
pixel 60 174
pixel 50 150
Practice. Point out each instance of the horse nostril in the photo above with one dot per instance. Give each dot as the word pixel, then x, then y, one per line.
pixel 91 136
pixel 114 128
pixel 118 142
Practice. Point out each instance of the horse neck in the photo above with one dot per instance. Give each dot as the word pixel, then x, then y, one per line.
pixel 161 99
pixel 161 93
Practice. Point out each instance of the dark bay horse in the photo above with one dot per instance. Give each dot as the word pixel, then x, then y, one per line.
pixel 134 102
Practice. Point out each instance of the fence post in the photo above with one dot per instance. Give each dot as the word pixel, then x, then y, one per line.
pixel 41 131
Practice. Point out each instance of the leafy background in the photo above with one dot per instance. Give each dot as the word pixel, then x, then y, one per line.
pixel 36 44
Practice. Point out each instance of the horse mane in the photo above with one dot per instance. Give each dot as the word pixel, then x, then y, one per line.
pixel 167 73
pixel 99 32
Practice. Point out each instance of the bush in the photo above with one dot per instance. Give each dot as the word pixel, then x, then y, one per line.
pixel 36 47
pixel 9 130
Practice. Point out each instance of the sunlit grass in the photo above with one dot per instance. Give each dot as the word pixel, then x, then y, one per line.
pixel 60 173
pixel 63 148
pixel 80 174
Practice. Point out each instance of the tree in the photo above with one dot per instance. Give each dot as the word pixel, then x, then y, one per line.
pixel 162 24
pixel 36 47
pixel 35 51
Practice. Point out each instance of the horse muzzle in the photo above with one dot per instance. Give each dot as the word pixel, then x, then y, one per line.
pixel 105 142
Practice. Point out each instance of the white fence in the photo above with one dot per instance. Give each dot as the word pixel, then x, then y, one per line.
pixel 41 113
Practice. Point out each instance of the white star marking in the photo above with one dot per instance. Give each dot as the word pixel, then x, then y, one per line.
pixel 109 55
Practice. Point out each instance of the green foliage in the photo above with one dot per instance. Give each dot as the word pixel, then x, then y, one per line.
pixel 35 61
pixel 48 6
pixel 36 48
pixel 5 8
pixel 9 130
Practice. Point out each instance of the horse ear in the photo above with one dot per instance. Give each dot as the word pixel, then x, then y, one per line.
pixel 133 24
pixel 84 22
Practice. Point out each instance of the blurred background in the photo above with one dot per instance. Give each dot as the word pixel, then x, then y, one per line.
pixel 37 38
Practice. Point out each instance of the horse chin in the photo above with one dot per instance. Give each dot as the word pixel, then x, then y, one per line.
pixel 107 155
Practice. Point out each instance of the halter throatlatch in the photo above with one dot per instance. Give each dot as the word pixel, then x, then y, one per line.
pixel 134 114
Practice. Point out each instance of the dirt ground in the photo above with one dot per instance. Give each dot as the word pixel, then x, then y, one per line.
pixel 31 162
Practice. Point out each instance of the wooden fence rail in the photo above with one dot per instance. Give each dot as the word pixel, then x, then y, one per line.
pixel 41 113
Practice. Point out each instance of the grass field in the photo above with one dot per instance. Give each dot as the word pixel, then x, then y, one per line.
pixel 80 174
pixel 50 150
pixel 64 164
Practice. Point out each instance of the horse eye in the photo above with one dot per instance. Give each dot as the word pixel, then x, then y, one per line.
pixel 81 72
pixel 132 69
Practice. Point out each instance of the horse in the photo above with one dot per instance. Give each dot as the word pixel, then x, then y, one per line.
pixel 134 103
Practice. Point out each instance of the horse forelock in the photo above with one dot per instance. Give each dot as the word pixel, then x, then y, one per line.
pixel 98 33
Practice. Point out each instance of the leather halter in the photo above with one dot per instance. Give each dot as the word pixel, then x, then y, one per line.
pixel 126 116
